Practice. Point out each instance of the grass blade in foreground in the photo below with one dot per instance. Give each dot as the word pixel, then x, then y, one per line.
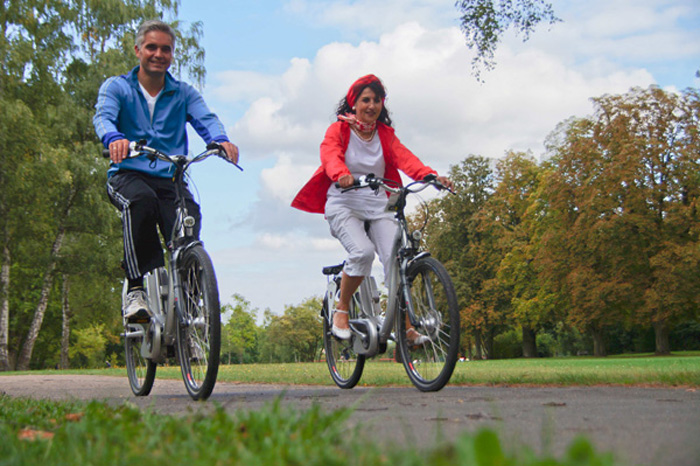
pixel 95 433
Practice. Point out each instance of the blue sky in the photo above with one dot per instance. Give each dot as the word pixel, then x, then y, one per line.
pixel 276 70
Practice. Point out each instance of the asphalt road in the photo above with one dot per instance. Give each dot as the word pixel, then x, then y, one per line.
pixel 643 426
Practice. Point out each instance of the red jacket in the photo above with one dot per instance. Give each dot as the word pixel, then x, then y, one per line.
pixel 312 197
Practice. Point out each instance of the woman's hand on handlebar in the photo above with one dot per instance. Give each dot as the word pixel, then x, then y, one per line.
pixel 118 150
pixel 445 181
pixel 346 181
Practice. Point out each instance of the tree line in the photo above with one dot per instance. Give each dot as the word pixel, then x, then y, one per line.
pixel 597 241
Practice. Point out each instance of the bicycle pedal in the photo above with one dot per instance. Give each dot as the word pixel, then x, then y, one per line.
pixel 138 320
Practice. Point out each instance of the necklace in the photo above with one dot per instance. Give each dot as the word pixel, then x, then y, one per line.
pixel 362 136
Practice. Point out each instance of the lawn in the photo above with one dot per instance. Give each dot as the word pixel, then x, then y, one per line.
pixel 678 370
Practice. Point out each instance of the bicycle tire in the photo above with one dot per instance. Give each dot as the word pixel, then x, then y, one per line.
pixel 140 371
pixel 344 365
pixel 199 323
pixel 429 366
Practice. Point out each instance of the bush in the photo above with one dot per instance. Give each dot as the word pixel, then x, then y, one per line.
pixel 508 345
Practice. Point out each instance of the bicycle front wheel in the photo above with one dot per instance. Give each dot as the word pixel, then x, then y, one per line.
pixel 344 364
pixel 140 370
pixel 429 363
pixel 199 325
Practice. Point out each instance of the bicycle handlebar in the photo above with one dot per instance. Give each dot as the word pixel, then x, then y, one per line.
pixel 137 149
pixel 373 182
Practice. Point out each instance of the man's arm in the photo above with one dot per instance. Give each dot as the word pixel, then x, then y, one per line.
pixel 106 118
pixel 207 124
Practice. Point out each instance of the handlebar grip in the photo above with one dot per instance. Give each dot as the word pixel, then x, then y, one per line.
pixel 356 182
pixel 105 153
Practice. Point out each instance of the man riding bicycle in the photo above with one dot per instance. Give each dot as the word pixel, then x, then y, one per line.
pixel 149 104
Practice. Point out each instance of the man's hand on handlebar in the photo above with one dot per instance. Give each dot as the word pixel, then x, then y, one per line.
pixel 118 150
pixel 231 151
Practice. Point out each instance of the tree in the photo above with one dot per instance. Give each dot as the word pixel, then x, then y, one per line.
pixel 295 336
pixel 240 334
pixel 90 346
pixel 484 22
pixel 622 210
pixel 453 236
pixel 509 214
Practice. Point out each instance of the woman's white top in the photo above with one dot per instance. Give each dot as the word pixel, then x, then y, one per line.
pixel 362 158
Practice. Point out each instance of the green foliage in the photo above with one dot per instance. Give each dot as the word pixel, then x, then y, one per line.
pixel 508 345
pixel 484 22
pixel 54 216
pixel 295 336
pixel 89 346
pixel 240 335
pixel 96 433
pixel 600 239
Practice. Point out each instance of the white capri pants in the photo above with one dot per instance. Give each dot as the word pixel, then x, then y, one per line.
pixel 349 228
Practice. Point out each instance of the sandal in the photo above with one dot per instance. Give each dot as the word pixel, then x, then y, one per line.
pixel 418 339
pixel 340 333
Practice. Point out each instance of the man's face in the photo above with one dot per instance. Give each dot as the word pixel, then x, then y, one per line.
pixel 156 52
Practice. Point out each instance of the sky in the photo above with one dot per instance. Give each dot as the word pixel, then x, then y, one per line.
pixel 276 70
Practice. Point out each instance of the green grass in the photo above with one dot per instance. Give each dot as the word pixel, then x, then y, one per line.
pixel 681 370
pixel 667 371
pixel 60 433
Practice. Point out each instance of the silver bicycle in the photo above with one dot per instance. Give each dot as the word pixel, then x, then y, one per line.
pixel 420 296
pixel 184 299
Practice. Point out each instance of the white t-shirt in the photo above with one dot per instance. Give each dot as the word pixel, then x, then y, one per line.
pixel 362 158
pixel 150 100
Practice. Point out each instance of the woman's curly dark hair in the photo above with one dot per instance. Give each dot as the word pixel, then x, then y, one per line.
pixel 344 107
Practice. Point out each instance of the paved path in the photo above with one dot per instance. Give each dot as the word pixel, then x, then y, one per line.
pixel 644 426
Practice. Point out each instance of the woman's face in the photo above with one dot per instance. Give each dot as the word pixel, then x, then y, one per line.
pixel 368 106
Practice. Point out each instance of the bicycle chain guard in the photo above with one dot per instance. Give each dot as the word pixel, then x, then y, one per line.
pixel 365 337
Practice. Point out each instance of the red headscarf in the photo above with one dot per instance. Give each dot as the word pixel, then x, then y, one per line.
pixel 359 85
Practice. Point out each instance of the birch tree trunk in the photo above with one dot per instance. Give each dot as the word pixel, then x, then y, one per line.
pixel 65 328
pixel 25 355
pixel 5 310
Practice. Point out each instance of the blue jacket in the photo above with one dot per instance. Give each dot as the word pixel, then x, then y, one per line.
pixel 122 113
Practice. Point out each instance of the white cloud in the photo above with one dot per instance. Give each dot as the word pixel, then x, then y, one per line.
pixel 369 17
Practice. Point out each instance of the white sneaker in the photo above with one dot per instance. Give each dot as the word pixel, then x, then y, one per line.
pixel 136 307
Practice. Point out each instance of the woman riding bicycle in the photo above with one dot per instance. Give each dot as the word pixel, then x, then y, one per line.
pixel 361 142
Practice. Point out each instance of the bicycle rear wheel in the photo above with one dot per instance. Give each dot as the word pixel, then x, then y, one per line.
pixel 344 364
pixel 430 365
pixel 140 371
pixel 199 326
